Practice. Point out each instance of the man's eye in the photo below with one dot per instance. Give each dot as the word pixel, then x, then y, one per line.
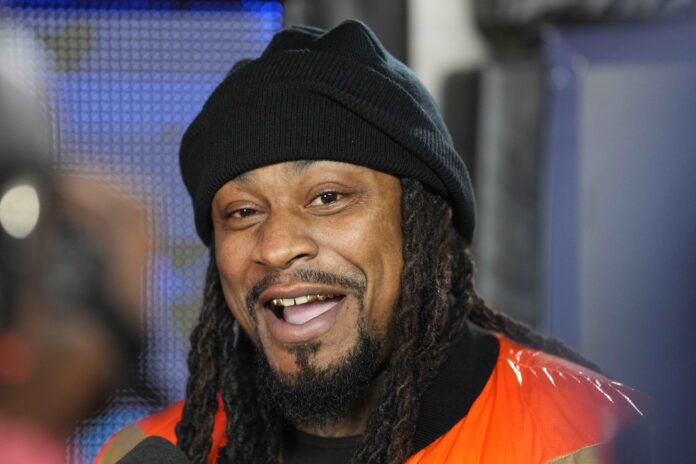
pixel 326 198
pixel 242 213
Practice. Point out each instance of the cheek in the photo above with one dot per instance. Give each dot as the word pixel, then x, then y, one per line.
pixel 388 247
pixel 374 244
pixel 231 269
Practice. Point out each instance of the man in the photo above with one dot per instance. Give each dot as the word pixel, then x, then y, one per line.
pixel 71 259
pixel 66 338
pixel 339 322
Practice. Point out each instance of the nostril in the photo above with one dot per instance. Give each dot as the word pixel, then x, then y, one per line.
pixel 280 263
pixel 298 257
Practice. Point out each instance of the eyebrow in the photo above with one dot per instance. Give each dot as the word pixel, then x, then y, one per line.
pixel 292 170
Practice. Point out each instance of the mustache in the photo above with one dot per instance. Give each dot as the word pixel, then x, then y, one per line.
pixel 305 275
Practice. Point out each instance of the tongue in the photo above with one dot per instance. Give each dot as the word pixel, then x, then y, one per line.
pixel 299 314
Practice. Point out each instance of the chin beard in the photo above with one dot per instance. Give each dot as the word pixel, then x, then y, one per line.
pixel 321 397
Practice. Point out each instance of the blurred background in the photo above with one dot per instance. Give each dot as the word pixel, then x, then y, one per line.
pixel 576 118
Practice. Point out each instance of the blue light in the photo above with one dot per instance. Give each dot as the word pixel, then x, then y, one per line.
pixel 149 5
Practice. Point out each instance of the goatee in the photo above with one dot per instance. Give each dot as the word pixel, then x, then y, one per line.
pixel 320 397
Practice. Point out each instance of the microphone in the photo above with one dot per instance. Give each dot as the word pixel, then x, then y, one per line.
pixel 155 450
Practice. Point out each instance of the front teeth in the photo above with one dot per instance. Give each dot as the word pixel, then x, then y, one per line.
pixel 300 300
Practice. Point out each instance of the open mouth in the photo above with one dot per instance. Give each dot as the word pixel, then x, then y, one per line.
pixel 302 308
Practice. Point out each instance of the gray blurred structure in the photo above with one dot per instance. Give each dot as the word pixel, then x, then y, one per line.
pixel 387 18
pixel 532 13
pixel 510 143
pixel 508 176
pixel 621 223
pixel 25 117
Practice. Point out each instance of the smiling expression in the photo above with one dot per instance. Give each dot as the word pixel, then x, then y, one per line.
pixel 308 251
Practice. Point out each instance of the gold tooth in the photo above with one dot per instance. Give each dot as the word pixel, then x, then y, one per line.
pixel 301 299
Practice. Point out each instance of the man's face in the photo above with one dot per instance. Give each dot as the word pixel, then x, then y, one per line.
pixel 310 255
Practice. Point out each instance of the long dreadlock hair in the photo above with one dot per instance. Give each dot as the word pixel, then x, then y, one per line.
pixel 437 298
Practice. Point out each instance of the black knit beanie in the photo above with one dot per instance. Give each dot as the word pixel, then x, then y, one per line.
pixel 322 95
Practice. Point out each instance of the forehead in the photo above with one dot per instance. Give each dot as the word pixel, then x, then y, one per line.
pixel 296 171
pixel 287 169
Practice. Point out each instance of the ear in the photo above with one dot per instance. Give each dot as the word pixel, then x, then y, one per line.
pixel 449 213
pixel 16 359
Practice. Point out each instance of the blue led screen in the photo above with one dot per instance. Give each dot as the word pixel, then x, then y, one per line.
pixel 127 77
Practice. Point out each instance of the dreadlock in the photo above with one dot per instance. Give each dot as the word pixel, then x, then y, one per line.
pixel 436 300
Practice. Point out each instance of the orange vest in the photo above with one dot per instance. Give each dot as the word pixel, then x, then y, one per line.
pixel 534 408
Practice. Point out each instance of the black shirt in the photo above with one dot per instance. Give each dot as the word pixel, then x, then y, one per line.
pixel 302 448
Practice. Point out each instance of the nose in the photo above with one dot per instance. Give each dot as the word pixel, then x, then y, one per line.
pixel 282 239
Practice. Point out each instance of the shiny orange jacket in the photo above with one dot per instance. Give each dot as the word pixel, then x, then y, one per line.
pixel 534 408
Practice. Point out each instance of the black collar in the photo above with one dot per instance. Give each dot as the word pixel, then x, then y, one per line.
pixel 457 385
